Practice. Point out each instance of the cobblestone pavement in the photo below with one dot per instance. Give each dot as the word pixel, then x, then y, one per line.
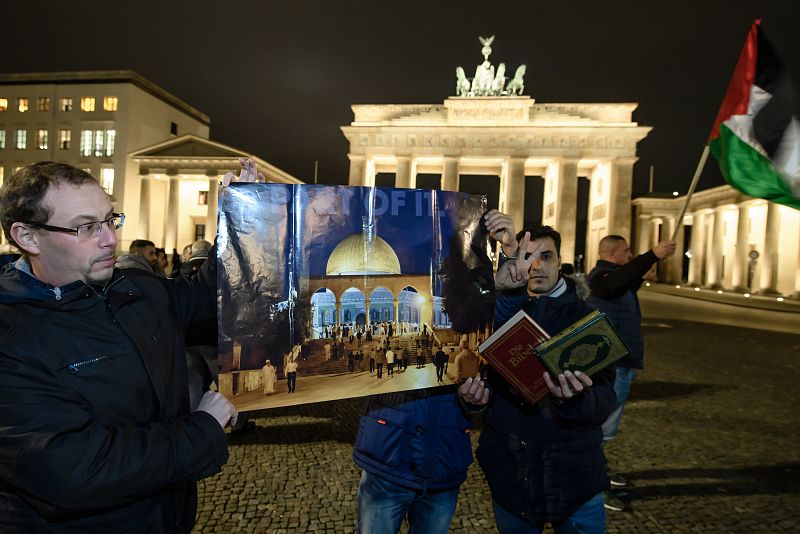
pixel 709 439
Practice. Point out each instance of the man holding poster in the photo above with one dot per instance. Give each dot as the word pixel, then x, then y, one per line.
pixel 96 432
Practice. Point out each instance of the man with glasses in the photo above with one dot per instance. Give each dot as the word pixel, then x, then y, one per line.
pixel 95 428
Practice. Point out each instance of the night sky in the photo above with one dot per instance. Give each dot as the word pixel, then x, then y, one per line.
pixel 278 78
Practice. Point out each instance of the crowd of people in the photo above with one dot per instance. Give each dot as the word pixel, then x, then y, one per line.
pixel 108 422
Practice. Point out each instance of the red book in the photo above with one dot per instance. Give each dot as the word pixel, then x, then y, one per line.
pixel 511 350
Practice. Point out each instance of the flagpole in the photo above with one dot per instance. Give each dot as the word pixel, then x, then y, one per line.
pixel 698 171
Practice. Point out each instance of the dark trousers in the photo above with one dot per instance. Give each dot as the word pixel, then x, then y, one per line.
pixel 372 365
pixel 291 379
pixel 439 372
pixel 390 369
pixel 380 370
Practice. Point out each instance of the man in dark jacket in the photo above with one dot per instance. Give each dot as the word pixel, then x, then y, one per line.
pixel 543 463
pixel 95 430
pixel 414 449
pixel 614 282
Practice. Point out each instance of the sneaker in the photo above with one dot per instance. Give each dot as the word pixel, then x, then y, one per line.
pixel 612 502
pixel 617 480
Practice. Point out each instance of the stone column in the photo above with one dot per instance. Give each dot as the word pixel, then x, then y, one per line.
pixel 796 294
pixel 715 252
pixel 403 176
pixel 450 178
pixel 566 207
pixel 144 207
pixel 676 260
pixel 769 265
pixel 357 168
pixel 697 248
pixel 512 188
pixel 173 212
pixel 338 313
pixel 619 196
pixel 366 304
pixel 642 234
pixel 740 261
pixel 211 209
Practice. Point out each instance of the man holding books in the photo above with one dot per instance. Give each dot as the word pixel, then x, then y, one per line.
pixel 614 282
pixel 544 463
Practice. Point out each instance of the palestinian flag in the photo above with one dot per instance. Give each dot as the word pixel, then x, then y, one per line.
pixel 756 136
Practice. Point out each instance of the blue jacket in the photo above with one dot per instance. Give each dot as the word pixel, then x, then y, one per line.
pixel 417 439
pixel 543 462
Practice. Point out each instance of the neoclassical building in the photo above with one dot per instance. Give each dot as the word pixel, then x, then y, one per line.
pixel 729 241
pixel 177 188
pixel 510 137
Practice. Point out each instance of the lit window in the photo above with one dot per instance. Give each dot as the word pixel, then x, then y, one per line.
pixel 87 103
pixel 2 139
pixel 202 198
pixel 41 138
pixel 111 135
pixel 110 103
pixel 2 172
pixel 65 104
pixel 199 231
pixel 22 105
pixel 21 139
pixel 3 104
pixel 98 142
pixel 107 180
pixel 42 104
pixel 64 138
pixel 86 143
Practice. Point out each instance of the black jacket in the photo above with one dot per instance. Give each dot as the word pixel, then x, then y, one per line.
pixel 543 462
pixel 95 429
pixel 613 291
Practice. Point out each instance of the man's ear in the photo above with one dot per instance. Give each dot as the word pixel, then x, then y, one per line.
pixel 25 238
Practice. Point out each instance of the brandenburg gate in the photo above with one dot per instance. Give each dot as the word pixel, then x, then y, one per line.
pixel 491 129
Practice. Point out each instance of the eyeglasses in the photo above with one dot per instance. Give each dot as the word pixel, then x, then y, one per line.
pixel 85 231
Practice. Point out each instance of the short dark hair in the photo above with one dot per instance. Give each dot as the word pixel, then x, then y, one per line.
pixel 138 244
pixel 538 232
pixel 21 195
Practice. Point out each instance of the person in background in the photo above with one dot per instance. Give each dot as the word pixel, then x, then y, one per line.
pixel 141 255
pixel 614 283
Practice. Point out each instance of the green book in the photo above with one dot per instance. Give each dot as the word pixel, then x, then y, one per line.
pixel 587 346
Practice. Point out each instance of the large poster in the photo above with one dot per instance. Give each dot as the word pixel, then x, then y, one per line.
pixel 316 281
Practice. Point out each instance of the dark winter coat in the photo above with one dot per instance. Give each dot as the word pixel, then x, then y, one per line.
pixel 95 429
pixel 543 462
pixel 613 291
pixel 417 439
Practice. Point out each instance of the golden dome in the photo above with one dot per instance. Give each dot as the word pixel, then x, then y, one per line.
pixel 358 254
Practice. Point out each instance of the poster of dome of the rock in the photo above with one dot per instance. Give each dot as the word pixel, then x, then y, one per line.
pixel 329 292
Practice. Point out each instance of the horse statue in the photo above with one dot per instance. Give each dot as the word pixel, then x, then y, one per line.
pixel 499 80
pixel 462 83
pixel 484 76
pixel 516 85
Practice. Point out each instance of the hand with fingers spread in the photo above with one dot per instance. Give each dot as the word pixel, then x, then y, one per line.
pixel 501 228
pixel 515 272
pixel 569 384
pixel 474 391
pixel 249 173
